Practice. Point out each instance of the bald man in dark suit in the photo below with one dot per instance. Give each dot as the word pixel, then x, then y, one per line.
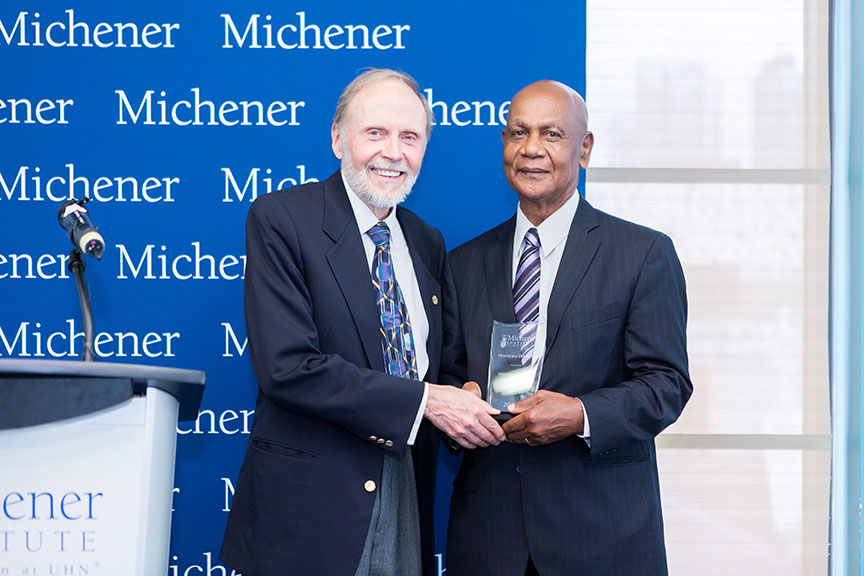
pixel 575 491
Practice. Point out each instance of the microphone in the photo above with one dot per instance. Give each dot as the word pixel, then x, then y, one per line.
pixel 83 234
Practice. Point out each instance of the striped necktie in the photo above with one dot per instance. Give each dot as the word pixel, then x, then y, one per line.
pixel 526 291
pixel 397 341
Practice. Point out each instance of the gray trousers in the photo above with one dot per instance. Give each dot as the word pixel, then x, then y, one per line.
pixel 393 542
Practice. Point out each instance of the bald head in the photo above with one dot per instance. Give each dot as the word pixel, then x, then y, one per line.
pixel 546 141
pixel 554 89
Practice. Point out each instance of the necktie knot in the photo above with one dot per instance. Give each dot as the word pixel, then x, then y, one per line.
pixel 379 233
pixel 532 238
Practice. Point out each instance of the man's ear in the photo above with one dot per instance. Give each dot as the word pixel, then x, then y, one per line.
pixel 336 141
pixel 585 151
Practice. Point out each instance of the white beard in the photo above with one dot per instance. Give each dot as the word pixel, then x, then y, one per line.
pixel 389 194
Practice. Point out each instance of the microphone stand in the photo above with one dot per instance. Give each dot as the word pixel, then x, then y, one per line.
pixel 76 267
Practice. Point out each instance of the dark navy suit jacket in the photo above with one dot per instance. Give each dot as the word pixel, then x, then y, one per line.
pixel 326 412
pixel 616 339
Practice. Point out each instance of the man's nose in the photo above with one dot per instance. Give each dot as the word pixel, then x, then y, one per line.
pixel 533 146
pixel 392 148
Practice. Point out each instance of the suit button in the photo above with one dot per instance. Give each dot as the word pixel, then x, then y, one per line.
pixel 518 470
pixel 380 441
pixel 388 443
pixel 434 300
pixel 373 438
pixel 369 486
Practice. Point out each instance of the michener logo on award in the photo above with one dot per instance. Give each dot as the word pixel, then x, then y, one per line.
pixel 510 340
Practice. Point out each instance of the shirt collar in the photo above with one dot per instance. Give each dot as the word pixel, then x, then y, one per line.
pixel 553 231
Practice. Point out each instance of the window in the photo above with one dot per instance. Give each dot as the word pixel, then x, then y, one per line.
pixel 711 125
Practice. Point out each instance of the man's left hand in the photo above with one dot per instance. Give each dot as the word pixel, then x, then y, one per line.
pixel 543 418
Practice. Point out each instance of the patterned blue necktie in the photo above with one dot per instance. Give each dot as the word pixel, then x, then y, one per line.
pixel 526 291
pixel 397 341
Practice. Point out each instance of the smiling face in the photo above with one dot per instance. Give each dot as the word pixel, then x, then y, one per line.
pixel 381 142
pixel 545 143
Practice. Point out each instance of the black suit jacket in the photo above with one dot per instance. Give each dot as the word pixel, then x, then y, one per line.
pixel 616 340
pixel 326 412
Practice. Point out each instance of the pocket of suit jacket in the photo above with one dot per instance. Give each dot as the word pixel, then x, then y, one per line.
pixel 598 316
pixel 627 455
pixel 281 449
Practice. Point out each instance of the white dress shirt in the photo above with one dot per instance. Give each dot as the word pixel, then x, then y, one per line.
pixel 403 269
pixel 553 233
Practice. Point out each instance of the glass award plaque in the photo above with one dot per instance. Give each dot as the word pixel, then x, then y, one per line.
pixel 514 365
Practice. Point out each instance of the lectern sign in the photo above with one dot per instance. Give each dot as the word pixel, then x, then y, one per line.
pixel 66 507
pixel 87 465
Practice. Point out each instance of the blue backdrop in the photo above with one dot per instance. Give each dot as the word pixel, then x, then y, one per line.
pixel 173 117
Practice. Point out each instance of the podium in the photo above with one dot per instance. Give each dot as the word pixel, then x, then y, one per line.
pixel 87 465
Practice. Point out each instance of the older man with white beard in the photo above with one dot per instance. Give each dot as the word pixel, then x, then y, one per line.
pixel 344 310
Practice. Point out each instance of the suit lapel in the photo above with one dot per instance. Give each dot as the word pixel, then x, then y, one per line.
pixel 499 273
pixel 347 261
pixel 578 253
pixel 430 293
